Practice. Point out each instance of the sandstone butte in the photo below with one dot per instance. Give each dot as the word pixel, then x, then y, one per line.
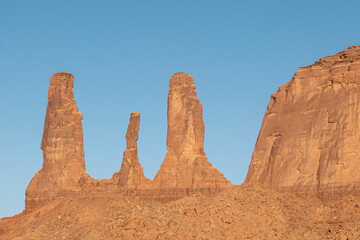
pixel 185 170
pixel 310 136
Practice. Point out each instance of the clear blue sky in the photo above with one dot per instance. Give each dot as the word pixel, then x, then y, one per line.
pixel 122 54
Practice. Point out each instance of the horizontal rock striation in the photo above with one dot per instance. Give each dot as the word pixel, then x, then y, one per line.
pixel 310 136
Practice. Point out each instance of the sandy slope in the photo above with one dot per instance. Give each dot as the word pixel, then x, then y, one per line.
pixel 237 213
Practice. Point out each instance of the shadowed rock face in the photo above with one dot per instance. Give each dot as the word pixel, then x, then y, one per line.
pixel 131 174
pixel 310 137
pixel 185 165
pixel 62 143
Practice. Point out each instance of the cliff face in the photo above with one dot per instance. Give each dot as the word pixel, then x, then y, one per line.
pixel 185 165
pixel 62 144
pixel 131 174
pixel 310 138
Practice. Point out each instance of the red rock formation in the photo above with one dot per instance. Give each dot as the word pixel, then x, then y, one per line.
pixel 62 144
pixel 310 137
pixel 131 175
pixel 185 167
pixel 185 170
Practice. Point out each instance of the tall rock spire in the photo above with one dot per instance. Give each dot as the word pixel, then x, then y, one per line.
pixel 131 175
pixel 310 136
pixel 185 165
pixel 62 142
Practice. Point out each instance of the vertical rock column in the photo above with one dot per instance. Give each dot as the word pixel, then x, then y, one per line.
pixel 62 144
pixel 185 165
pixel 131 175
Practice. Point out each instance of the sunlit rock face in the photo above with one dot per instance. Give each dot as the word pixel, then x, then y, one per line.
pixel 131 175
pixel 185 166
pixel 62 144
pixel 310 136
pixel 185 170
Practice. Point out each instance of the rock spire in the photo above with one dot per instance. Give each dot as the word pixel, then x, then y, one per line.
pixel 62 143
pixel 131 174
pixel 185 165
pixel 310 136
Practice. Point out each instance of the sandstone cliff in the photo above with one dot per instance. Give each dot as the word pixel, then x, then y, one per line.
pixel 185 166
pixel 62 144
pixel 131 174
pixel 310 138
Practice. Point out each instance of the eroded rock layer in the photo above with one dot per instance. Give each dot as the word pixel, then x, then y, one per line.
pixel 185 167
pixel 62 144
pixel 310 136
pixel 131 174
